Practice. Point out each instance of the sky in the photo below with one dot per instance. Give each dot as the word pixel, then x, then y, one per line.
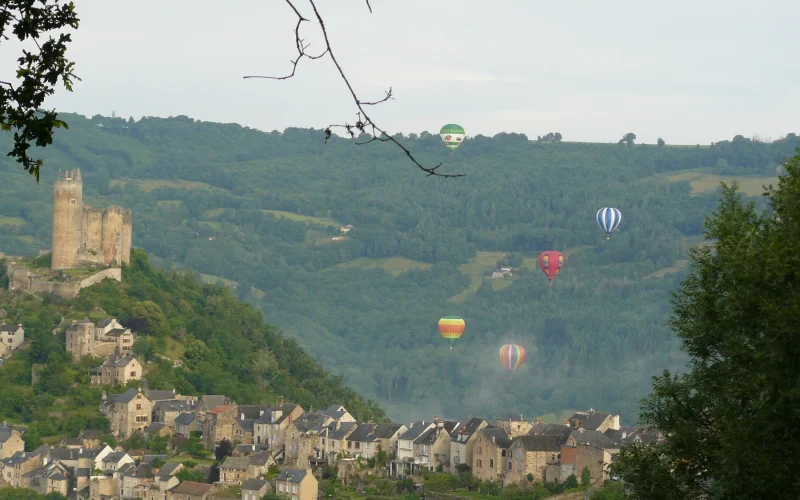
pixel 691 72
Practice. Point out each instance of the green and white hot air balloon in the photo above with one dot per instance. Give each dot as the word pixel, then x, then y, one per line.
pixel 452 135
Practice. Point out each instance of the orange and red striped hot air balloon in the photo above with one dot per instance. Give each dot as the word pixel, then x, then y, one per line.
pixel 512 356
pixel 452 328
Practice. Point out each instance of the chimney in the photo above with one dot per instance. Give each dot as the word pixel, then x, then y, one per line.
pixel 435 418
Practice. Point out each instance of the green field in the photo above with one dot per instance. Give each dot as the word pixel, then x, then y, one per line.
pixel 210 278
pixel 212 224
pixel 475 268
pixel 11 221
pixel 151 184
pixel 394 265
pixel 170 203
pixel 308 219
pixel 703 182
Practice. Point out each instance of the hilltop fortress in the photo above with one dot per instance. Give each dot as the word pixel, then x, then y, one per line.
pixel 89 245
pixel 83 235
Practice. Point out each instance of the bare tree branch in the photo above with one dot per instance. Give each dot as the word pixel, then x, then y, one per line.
pixel 364 124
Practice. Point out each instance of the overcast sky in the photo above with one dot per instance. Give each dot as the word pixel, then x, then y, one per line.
pixel 688 71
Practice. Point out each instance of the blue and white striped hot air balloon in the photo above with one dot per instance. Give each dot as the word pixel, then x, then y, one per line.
pixel 609 219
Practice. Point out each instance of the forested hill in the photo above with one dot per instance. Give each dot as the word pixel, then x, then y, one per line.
pixel 262 211
pixel 225 345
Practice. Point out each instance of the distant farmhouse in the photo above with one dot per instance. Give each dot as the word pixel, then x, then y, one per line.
pixel 89 245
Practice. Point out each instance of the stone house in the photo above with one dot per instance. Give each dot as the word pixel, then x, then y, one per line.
pixel 462 441
pixel 432 447
pixel 166 411
pixel 304 439
pixel 489 453
pixel 338 413
pixel 136 481
pixel 514 425
pixel 297 484
pixel 158 429
pixel 254 489
pixel 116 370
pixel 592 420
pixel 366 439
pixel 86 339
pixel 165 479
pixel 406 460
pixel 91 438
pixel 593 438
pixel 245 424
pixel 11 337
pixel 219 424
pixel 234 470
pixel 114 461
pixel 11 441
pixel 187 422
pixel 104 487
pixel 244 450
pixel 335 442
pixel 127 413
pixel 530 455
pixel 595 459
pixel 54 477
pixel 270 428
pixel 20 463
pixel 190 490
pixel 209 402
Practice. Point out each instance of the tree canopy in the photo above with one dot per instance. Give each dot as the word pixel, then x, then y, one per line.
pixel 730 420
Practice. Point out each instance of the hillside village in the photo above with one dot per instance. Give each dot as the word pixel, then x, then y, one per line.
pixel 281 448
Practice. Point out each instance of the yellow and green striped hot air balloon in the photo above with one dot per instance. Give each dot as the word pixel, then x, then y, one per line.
pixel 452 135
pixel 452 328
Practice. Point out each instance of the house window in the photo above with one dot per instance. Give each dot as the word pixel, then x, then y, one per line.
pixel 133 374
pixel 502 453
pixel 294 488
pixel 554 457
pixel 480 463
pixel 491 463
pixel 509 466
pixel 138 407
pixel 480 450
pixel 358 445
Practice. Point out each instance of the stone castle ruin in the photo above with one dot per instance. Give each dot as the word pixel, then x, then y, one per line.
pixel 89 245
pixel 83 235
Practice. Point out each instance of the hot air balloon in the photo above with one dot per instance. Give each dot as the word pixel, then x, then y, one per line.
pixel 551 263
pixel 609 219
pixel 512 356
pixel 452 328
pixel 452 135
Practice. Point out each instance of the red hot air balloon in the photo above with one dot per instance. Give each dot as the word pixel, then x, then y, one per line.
pixel 551 263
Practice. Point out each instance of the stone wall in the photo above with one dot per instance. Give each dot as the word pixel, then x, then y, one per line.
pixel 22 279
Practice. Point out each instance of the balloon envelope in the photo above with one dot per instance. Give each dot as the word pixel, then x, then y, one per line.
pixel 551 262
pixel 512 356
pixel 452 135
pixel 452 327
pixel 609 218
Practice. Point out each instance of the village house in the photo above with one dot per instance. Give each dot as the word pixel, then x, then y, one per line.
pixel 218 425
pixel 20 463
pixel 54 477
pixel 11 441
pixel 367 439
pixel 86 339
pixel 297 484
pixel 335 442
pixel 255 489
pixel 489 452
pixel 187 422
pixel 592 420
pixel 209 402
pixel 11 337
pixel 406 460
pixel 462 441
pixel 190 490
pixel 432 447
pixel 127 413
pixel 158 429
pixel 167 410
pixel 104 486
pixel 270 428
pixel 303 439
pixel 514 425
pixel 338 413
pixel 91 438
pixel 244 450
pixel 245 424
pixel 530 455
pixel 71 443
pixel 79 458
pixel 593 458
pixel 165 479
pixel 234 470
pixel 114 461
pixel 116 370
pixel 136 481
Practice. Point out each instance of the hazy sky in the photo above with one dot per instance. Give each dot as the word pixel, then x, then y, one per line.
pixel 688 71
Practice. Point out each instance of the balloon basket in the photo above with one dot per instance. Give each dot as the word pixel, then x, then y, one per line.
pixel 451 348
pixel 608 237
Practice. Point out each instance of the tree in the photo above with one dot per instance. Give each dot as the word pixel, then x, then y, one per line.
pixel 224 448
pixel 737 317
pixel 660 142
pixel 628 139
pixel 38 73
pixel 571 482
pixel 586 477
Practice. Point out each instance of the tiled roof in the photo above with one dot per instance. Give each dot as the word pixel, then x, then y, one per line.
pixel 501 437
pixel 239 463
pixel 254 484
pixel 220 409
pixel 192 488
pixel 539 443
pixel 292 475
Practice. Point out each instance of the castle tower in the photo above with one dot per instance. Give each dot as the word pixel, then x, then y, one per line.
pixel 67 219
pixel 127 235
pixel 112 236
